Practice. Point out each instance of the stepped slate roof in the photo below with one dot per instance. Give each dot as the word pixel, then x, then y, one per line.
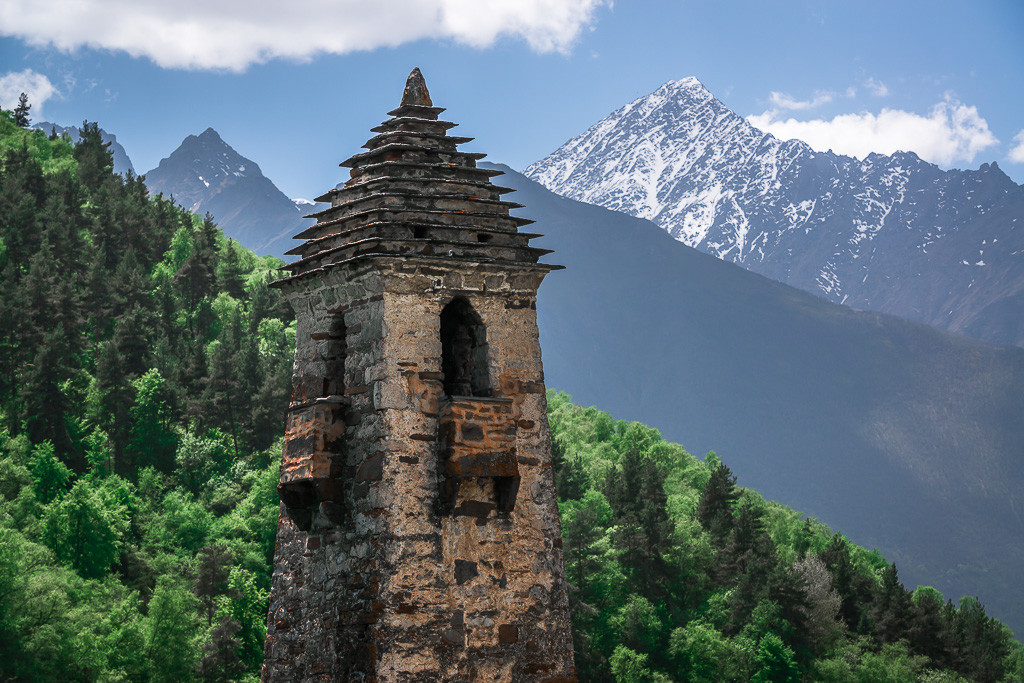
pixel 412 193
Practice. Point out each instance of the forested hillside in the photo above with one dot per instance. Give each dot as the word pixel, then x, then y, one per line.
pixel 677 574
pixel 143 372
pixel 144 369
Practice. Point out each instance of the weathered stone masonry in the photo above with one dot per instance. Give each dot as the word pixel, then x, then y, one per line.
pixel 419 536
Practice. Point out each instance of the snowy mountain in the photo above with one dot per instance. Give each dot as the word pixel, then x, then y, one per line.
pixel 122 164
pixel 890 233
pixel 206 175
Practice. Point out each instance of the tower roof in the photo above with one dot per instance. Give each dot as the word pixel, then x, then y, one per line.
pixel 412 193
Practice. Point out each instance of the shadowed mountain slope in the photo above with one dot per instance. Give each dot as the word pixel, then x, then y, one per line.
pixel 899 435
pixel 205 175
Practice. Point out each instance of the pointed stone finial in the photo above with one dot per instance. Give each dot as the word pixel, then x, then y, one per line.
pixel 416 92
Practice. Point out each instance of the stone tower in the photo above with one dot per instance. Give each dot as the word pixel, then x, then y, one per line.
pixel 419 537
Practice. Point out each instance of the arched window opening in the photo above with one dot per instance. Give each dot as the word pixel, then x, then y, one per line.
pixel 463 351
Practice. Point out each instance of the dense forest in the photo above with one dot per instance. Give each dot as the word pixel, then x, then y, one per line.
pixel 678 574
pixel 144 369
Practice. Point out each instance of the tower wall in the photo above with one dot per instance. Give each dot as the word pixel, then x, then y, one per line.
pixel 419 535
pixel 407 576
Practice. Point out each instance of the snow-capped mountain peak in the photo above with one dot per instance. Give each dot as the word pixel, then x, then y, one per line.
pixel 846 229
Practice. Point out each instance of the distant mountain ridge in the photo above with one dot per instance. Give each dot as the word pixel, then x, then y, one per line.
pixel 906 438
pixel 122 164
pixel 205 174
pixel 890 233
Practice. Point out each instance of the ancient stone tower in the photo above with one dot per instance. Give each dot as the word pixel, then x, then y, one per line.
pixel 419 537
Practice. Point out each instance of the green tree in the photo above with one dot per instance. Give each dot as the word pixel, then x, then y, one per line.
pixel 231 272
pixel 112 399
pixel 703 655
pixel 639 626
pixel 930 632
pixel 891 608
pixel 152 441
pixel 715 510
pixel 570 477
pixel 220 662
pixel 636 492
pixel 774 661
pixel 212 572
pixel 171 632
pixel 248 604
pixel 86 528
pixel 21 117
pixel 93 156
pixel 630 667
pixel 983 643
pixel 854 588
pixel 50 476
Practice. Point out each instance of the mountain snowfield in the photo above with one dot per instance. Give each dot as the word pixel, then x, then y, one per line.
pixel 888 233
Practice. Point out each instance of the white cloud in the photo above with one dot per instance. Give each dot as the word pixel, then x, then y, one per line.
pixel 233 34
pixel 876 88
pixel 951 132
pixel 35 85
pixel 1017 151
pixel 783 101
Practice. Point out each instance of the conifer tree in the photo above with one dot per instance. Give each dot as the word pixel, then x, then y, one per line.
pixel 267 413
pixel 715 510
pixel 229 272
pixel 982 642
pixel 570 479
pixel 928 632
pixel 21 117
pixel 45 406
pixel 891 608
pixel 853 588
pixel 22 194
pixel 212 577
pixel 114 398
pixel 220 662
pixel 133 337
pixel 225 391
pixel 95 161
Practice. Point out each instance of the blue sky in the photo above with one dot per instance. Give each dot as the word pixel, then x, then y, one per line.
pixel 298 89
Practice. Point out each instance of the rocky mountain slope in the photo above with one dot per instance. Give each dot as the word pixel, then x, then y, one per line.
pixel 204 174
pixel 122 164
pixel 905 437
pixel 890 233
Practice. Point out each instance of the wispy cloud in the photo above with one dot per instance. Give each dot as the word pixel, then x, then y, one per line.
pixel 783 102
pixel 233 34
pixel 951 132
pixel 37 86
pixel 876 87
pixel 1017 151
